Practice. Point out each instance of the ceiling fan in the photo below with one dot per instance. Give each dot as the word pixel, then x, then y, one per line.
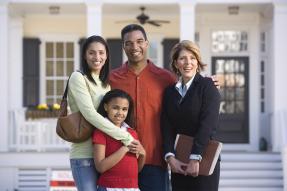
pixel 144 18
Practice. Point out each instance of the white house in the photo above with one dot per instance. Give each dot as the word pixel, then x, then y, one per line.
pixel 243 42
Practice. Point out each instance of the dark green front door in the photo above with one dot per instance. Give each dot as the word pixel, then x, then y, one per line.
pixel 234 107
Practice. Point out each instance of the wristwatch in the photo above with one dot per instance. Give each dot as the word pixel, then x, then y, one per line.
pixel 195 157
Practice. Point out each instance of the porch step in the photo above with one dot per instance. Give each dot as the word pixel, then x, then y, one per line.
pixel 252 171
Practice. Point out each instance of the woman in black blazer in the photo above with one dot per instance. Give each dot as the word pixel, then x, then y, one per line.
pixel 190 107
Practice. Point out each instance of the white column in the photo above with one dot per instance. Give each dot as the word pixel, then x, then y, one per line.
pixel 187 20
pixel 279 73
pixel 280 56
pixel 4 77
pixel 15 67
pixel 94 18
pixel 279 80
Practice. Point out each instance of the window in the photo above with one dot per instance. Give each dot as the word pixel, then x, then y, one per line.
pixel 264 58
pixel 262 42
pixel 262 86
pixel 232 72
pixel 229 41
pixel 59 62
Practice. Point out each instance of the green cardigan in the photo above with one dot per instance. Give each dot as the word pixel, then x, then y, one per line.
pixel 86 100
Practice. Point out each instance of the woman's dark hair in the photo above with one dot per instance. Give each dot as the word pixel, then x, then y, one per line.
pixel 84 65
pixel 132 27
pixel 117 93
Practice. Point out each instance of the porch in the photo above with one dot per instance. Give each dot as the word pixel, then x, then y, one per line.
pixel 35 151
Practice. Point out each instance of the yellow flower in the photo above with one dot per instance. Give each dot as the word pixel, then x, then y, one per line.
pixel 56 106
pixel 42 106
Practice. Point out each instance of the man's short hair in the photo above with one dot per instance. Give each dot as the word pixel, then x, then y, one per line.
pixel 131 28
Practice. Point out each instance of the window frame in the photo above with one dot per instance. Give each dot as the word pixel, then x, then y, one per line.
pixel 55 38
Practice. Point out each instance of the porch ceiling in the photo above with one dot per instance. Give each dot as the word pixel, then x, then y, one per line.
pixel 22 9
pixel 128 10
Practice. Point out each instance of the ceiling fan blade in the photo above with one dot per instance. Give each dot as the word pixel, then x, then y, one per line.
pixel 153 23
pixel 161 21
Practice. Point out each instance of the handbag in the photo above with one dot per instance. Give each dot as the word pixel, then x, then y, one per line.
pixel 73 127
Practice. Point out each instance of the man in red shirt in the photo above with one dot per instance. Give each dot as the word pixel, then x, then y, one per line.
pixel 145 83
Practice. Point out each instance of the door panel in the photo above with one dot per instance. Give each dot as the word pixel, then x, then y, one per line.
pixel 234 110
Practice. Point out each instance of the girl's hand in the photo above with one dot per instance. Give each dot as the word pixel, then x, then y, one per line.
pixel 136 148
pixel 141 150
pixel 192 168
pixel 125 149
pixel 176 166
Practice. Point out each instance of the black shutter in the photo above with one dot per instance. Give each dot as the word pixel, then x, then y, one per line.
pixel 116 52
pixel 167 44
pixel 31 71
pixel 81 43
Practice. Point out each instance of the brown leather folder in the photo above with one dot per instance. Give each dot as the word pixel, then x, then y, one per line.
pixel 183 146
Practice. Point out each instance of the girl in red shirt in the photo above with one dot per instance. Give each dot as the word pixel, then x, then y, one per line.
pixel 119 165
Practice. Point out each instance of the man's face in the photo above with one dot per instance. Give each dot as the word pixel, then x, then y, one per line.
pixel 135 46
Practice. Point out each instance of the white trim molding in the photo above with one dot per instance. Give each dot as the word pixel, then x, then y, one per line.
pixel 4 52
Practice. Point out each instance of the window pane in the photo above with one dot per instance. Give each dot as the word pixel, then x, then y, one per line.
pixel 262 80
pixel 219 66
pixel 229 80
pixel 60 49
pixel 242 67
pixel 229 107
pixel 240 80
pixel 222 94
pixel 49 87
pixel 222 107
pixel 70 50
pixel 262 93
pixel 239 93
pixel 229 66
pixel 229 93
pixel 239 107
pixel 262 107
pixel 50 101
pixel 70 67
pixel 59 65
pixel 60 68
pixel 229 41
pixel 262 64
pixel 60 87
pixel 49 68
pixel 49 50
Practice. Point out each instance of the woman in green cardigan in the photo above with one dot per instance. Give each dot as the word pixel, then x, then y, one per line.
pixel 84 94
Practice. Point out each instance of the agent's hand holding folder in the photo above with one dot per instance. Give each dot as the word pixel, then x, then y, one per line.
pixel 183 146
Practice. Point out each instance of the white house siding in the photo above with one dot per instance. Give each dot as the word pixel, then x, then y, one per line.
pixel 36 25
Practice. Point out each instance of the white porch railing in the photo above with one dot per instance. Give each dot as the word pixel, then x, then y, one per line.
pixel 34 135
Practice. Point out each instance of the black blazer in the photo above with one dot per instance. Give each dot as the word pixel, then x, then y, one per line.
pixel 195 115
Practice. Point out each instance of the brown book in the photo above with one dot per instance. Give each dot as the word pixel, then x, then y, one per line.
pixel 183 146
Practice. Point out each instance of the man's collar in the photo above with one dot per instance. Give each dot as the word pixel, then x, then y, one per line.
pixel 150 65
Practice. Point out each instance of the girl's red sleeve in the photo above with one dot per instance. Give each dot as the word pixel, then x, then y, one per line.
pixel 99 137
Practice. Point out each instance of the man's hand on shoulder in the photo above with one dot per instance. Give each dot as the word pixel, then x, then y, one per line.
pixel 215 80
